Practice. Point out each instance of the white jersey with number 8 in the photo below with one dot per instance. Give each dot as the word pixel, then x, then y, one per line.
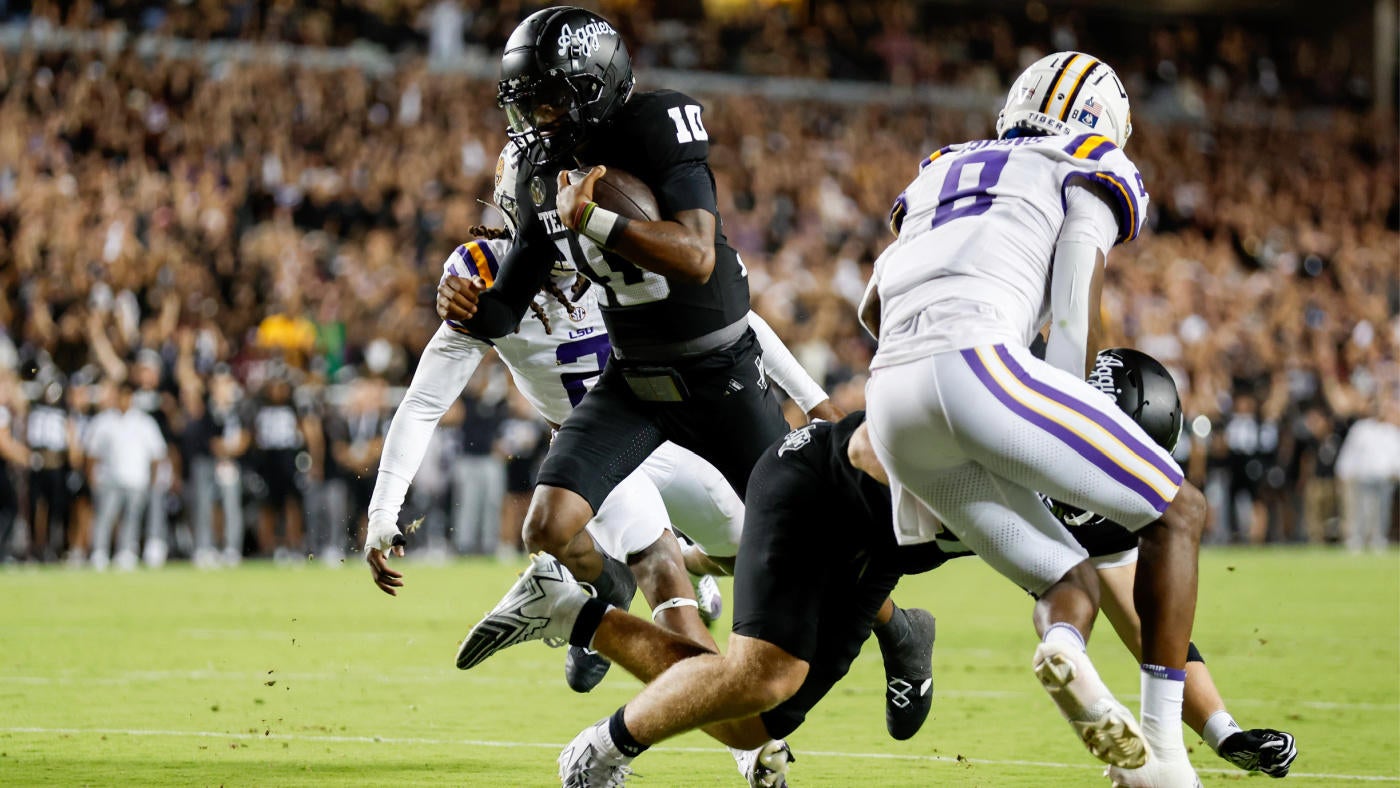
pixel 976 240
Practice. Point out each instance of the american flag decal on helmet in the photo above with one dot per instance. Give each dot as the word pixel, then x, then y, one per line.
pixel 1089 113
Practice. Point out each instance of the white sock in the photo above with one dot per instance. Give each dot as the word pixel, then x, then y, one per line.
pixel 1219 727
pixel 1162 693
pixel 1065 634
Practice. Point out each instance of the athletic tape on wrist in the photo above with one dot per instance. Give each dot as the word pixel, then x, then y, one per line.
pixel 674 602
pixel 598 224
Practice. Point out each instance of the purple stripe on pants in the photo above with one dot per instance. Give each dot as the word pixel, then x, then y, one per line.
pixel 1094 455
pixel 1142 450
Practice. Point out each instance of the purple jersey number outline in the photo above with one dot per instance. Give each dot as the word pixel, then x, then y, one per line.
pixel 993 161
pixel 569 352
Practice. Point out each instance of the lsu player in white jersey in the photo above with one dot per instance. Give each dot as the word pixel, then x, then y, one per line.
pixel 995 239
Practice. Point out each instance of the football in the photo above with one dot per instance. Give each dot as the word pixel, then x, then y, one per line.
pixel 623 193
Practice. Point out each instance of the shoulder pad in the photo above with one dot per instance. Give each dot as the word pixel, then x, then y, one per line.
pixel 1117 173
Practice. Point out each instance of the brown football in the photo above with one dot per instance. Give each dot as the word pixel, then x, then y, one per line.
pixel 624 194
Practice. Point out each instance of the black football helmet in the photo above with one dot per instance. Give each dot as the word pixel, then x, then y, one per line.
pixel 565 72
pixel 1143 389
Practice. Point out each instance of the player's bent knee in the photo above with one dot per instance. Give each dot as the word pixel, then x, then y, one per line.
pixel 776 685
pixel 1084 577
pixel 555 516
pixel 768 674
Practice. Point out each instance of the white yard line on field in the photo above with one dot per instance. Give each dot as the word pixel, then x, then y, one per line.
pixel 558 746
pixel 436 676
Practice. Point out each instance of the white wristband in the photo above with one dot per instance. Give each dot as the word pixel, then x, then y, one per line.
pixel 598 224
pixel 674 602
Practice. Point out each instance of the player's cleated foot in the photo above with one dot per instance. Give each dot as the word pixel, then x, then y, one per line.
pixel 584 668
pixel 1261 750
pixel 1172 772
pixel 711 601
pixel 767 766
pixel 1106 727
pixel 909 675
pixel 592 760
pixel 542 605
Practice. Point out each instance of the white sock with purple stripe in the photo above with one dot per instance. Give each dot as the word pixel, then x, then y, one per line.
pixel 1066 634
pixel 1162 692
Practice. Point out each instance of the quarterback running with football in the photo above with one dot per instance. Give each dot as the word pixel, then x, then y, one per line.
pixel 685 365
pixel 995 239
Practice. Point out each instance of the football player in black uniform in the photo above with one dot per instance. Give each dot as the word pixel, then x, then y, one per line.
pixel 685 366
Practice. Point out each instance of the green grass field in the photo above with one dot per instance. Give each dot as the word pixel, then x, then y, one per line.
pixel 309 676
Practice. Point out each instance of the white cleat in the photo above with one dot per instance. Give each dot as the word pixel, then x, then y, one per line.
pixel 711 601
pixel 1106 727
pixel 592 760
pixel 542 605
pixel 1170 772
pixel 765 767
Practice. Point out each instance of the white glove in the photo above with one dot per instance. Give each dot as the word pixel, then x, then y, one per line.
pixel 383 535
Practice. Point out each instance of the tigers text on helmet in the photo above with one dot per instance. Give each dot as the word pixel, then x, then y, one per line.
pixel 1068 93
pixel 564 73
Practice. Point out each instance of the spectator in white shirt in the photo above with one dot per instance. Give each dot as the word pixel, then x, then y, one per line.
pixel 1367 467
pixel 124 448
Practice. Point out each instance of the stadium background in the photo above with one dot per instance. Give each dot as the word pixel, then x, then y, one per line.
pixel 205 197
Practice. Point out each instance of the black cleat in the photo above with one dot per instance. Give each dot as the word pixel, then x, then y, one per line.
pixel 1261 750
pixel 909 676
pixel 585 668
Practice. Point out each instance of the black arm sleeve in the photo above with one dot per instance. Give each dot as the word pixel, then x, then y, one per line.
pixel 523 272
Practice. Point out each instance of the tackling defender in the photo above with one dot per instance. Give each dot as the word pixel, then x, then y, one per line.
pixel 817 501
pixel 994 237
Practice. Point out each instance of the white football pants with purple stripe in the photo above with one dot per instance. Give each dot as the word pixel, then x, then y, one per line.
pixel 973 434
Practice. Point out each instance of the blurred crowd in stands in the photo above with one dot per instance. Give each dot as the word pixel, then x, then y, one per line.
pixel 215 278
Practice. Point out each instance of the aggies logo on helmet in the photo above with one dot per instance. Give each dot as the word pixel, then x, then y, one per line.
pixel 1102 378
pixel 581 43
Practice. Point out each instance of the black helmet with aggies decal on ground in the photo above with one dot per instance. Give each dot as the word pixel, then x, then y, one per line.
pixel 1143 389
pixel 564 73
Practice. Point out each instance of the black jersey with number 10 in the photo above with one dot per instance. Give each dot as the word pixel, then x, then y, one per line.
pixel 658 137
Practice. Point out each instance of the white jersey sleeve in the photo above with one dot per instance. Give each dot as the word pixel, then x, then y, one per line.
pixel 1089 231
pixel 1118 174
pixel 783 368
pixel 448 362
